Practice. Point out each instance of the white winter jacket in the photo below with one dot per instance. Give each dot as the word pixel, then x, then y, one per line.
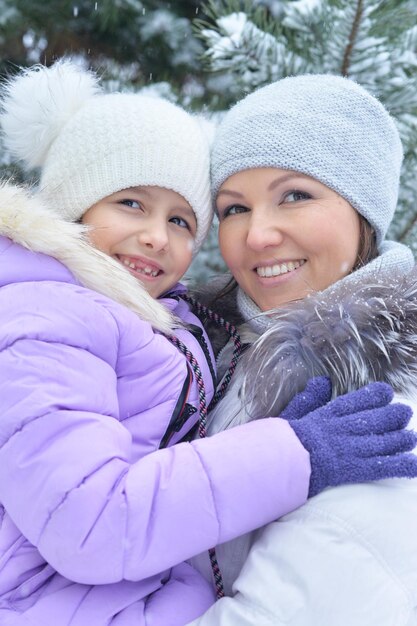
pixel 348 557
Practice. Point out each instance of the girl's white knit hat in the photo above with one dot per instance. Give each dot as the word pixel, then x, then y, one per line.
pixel 325 126
pixel 89 144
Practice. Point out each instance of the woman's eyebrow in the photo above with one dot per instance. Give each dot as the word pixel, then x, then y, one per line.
pixel 271 186
pixel 228 192
pixel 284 178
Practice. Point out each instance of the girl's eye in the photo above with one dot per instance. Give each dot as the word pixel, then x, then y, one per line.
pixel 179 221
pixel 296 196
pixel 233 209
pixel 133 204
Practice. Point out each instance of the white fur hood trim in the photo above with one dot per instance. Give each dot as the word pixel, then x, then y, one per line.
pixel 24 220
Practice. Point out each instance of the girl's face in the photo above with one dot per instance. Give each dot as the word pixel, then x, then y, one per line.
pixel 284 234
pixel 149 230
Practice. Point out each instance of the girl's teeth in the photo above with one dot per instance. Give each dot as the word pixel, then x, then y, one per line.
pixel 277 270
pixel 145 270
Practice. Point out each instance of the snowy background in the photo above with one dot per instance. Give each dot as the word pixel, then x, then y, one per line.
pixel 206 55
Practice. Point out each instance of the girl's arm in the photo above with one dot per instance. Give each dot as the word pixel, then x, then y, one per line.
pixel 70 478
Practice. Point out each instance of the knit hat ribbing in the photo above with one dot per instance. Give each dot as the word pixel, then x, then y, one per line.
pixel 90 145
pixel 324 126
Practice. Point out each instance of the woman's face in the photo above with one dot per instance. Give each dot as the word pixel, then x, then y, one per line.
pixel 284 235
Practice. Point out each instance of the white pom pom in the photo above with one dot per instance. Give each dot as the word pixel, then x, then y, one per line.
pixel 36 105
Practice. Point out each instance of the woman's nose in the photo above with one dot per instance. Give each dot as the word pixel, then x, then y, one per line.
pixel 263 233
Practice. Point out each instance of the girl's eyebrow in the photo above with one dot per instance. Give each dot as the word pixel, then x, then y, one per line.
pixel 142 190
pixel 187 210
pixel 137 190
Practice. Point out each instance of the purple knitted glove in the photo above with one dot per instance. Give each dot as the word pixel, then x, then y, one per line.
pixel 317 393
pixel 356 438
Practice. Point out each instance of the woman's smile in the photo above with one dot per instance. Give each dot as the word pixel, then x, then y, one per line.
pixel 278 269
pixel 284 235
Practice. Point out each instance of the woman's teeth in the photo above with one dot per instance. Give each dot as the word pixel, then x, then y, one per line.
pixel 149 271
pixel 277 270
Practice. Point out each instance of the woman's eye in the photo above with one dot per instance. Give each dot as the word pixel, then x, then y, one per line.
pixel 179 221
pixel 296 196
pixel 233 209
pixel 133 204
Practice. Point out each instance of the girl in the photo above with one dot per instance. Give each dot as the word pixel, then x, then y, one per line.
pixel 97 511
pixel 305 173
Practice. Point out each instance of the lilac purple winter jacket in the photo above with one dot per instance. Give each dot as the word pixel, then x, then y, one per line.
pixel 96 520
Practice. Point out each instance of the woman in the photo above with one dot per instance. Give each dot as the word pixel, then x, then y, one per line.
pixel 305 174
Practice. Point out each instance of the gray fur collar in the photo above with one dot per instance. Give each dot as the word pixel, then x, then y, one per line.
pixel 360 331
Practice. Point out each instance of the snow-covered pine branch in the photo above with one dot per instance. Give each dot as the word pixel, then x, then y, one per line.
pixel 356 38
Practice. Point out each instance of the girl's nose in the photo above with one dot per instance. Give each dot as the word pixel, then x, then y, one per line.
pixel 153 235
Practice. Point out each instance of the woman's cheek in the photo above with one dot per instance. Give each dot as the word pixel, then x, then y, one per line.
pixel 227 243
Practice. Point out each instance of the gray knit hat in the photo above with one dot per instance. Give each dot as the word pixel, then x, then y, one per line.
pixel 89 144
pixel 327 127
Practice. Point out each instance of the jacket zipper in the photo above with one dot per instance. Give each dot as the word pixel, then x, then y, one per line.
pixel 180 414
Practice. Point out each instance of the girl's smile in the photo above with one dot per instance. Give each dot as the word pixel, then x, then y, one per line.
pixel 149 230
pixel 140 267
